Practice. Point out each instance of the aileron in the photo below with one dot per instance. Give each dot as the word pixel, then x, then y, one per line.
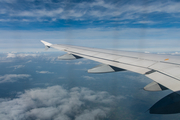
pixel 167 81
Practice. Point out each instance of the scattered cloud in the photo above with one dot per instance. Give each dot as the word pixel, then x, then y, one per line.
pixel 13 77
pixel 175 53
pixel 17 66
pixel 89 114
pixel 75 63
pixel 145 22
pixel 13 55
pixel 78 63
pixel 44 72
pixel 29 61
pixel 139 78
pixel 40 13
pixel 8 1
pixel 88 78
pixel 146 52
pixel 57 103
pixel 4 59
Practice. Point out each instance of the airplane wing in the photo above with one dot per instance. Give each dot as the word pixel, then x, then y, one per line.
pixel 163 69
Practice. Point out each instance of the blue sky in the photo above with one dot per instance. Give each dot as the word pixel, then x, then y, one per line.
pixel 120 24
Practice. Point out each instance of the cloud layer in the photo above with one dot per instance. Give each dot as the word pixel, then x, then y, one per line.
pixel 152 39
pixel 57 103
pixel 53 10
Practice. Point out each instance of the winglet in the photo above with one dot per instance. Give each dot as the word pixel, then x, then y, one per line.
pixel 46 43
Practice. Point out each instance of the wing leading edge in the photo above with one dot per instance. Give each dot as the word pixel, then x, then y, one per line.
pixel 163 69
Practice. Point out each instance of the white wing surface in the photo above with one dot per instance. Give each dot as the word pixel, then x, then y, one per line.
pixel 163 69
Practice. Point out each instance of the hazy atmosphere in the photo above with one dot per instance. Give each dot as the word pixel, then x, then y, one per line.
pixel 34 84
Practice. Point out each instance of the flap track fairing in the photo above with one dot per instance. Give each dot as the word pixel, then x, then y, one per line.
pixel 103 68
pixel 154 86
pixel 69 57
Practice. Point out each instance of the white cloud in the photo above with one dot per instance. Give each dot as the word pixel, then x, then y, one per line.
pixel 146 52
pixel 44 72
pixel 40 13
pixel 175 53
pixel 8 1
pixel 29 61
pixel 89 115
pixel 88 78
pixel 17 66
pixel 145 22
pixel 57 103
pixel 12 77
pixel 75 63
pixel 79 63
pixel 13 55
pixel 3 59
pixel 102 3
